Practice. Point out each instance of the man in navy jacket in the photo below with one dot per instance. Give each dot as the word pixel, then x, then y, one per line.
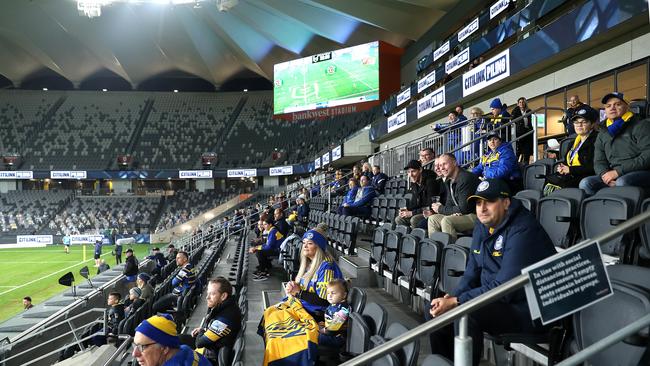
pixel 506 239
pixel 361 204
pixel 379 179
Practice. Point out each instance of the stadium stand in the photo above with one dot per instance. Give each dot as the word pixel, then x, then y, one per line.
pixel 182 126
pixel 84 133
pixel 185 205
pixel 90 214
pixel 26 212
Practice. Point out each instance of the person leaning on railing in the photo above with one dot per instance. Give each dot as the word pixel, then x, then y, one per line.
pixel 508 239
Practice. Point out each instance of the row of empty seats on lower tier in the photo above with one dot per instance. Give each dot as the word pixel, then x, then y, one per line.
pixel 25 212
pixel 86 214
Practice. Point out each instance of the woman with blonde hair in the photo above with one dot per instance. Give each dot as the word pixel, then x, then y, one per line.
pixel 317 269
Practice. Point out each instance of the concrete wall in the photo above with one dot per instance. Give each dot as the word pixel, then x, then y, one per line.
pixel 122 186
pixel 203 185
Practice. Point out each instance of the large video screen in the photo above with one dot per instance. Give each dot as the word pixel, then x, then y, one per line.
pixel 346 76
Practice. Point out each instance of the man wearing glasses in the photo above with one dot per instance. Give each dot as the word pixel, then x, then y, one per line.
pixel 156 344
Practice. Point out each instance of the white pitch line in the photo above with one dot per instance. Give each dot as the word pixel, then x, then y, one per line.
pixel 9 286
pixel 50 275
pixel 35 262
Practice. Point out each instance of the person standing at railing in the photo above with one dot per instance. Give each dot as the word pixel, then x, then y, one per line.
pixel 476 114
pixel 523 126
pixel 574 105
pixel 498 116
pixel 500 162
pixel 622 154
pixel 379 179
pixel 459 111
pixel 506 239
pixel 426 157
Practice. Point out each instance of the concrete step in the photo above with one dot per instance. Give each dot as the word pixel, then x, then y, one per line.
pixel 358 270
pixel 364 253
pixel 38 315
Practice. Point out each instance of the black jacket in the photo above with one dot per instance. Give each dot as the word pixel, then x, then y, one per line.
pixel 424 192
pixel 130 266
pixel 576 173
pixel 463 187
pixel 282 226
pixel 115 316
pixel 223 324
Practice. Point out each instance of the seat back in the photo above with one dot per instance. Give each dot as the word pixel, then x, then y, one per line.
pixel 391 249
pixel 454 261
pixel 419 233
pixel 644 251
pixel 529 199
pixel 408 255
pixel 631 285
pixel 407 355
pixel 464 241
pixel 357 299
pixel 224 357
pixel 535 176
pixel 427 269
pixel 376 318
pixel 442 238
pixel 359 333
pixel 558 215
pixel 378 242
pixel 605 210
pixel 436 360
pixel 389 359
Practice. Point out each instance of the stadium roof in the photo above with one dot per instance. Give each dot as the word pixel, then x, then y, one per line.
pixel 137 40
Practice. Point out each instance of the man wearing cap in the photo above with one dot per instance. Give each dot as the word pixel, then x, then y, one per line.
pixel 506 239
pixel 223 321
pixel 171 253
pixel 145 286
pixel 130 268
pixel 454 214
pixel 622 152
pixel 423 187
pixel 159 258
pixel 267 251
pixel 499 163
pixel 579 161
pixel 156 344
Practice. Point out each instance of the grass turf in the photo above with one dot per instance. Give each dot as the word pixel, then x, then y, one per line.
pixel 35 272
pixel 312 83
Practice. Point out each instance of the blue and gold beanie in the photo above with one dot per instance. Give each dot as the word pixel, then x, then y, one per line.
pixel 161 329
pixel 317 238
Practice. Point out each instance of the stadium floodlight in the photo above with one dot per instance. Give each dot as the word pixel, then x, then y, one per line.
pixel 93 8
pixel 175 90
pixel 44 89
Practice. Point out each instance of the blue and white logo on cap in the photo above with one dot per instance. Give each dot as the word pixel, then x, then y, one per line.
pixel 582 111
pixel 309 236
pixel 484 185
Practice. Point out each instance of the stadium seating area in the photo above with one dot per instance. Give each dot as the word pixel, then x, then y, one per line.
pixel 182 126
pixel 25 212
pixel 91 214
pixel 73 130
pixel 184 206
pixel 86 132
pixel 22 113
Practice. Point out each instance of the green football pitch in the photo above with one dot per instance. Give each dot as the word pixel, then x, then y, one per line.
pixel 35 272
pixel 327 81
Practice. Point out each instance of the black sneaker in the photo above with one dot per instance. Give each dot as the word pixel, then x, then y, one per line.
pixel 261 277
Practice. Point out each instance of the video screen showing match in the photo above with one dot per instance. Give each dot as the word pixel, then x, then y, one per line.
pixel 345 76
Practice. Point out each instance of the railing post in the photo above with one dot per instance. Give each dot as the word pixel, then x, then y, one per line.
pixel 534 125
pixel 463 345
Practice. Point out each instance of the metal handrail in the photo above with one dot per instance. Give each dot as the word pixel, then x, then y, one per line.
pixel 125 344
pixel 438 138
pixel 486 298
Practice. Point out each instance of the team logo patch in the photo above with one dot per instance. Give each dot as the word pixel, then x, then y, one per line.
pixel 483 186
pixel 309 236
pixel 498 245
pixel 218 326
